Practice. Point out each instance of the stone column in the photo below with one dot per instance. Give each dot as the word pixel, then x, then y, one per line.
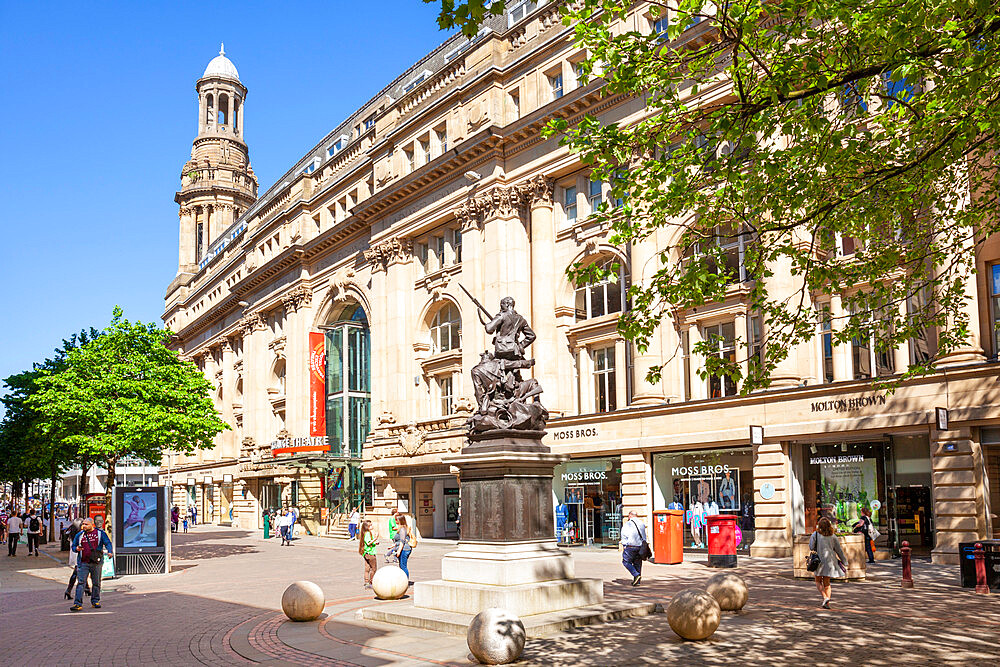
pixel 230 448
pixel 958 491
pixel 644 264
pixel 773 535
pixel 187 260
pixel 786 283
pixel 543 280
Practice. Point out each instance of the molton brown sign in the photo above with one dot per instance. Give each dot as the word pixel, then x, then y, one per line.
pixel 850 404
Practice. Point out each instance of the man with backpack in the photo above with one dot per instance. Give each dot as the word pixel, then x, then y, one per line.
pixel 34 525
pixel 90 545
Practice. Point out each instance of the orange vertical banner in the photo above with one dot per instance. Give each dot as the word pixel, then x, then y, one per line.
pixel 317 384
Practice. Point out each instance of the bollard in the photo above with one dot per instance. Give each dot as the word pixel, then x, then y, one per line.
pixel 907 571
pixel 981 586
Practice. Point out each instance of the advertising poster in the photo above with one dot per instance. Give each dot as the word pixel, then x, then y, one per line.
pixel 140 525
pixel 727 488
pixel 847 486
pixel 317 384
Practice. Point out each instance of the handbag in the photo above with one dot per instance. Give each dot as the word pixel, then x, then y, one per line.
pixel 812 561
pixel 412 541
pixel 645 553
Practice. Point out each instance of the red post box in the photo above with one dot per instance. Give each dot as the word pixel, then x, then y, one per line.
pixel 721 540
pixel 668 536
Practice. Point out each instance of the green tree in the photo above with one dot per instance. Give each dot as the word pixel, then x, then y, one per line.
pixel 850 146
pixel 127 394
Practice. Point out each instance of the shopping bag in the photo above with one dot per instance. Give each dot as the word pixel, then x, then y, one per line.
pixel 108 569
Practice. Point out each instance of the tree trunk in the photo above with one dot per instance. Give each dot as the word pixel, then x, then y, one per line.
pixel 52 501
pixel 84 486
pixel 27 493
pixel 110 486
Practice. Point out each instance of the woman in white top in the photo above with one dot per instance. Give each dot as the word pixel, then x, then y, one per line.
pixel 352 523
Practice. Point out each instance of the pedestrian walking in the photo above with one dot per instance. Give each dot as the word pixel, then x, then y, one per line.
pixel 866 528
pixel 90 545
pixel 185 524
pixel 175 515
pixel 285 526
pixel 14 526
pixel 352 523
pixel 295 518
pixel 367 547
pixel 74 559
pixel 34 531
pixel 634 545
pixel 194 515
pixel 832 561
pixel 403 545
pixel 393 529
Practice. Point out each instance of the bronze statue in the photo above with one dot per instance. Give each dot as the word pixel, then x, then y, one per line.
pixel 506 401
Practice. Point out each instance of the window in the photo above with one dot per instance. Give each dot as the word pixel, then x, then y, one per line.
pixel 900 89
pixel 518 12
pixel 660 26
pixel 408 159
pixel 604 297
pixel 446 330
pixel 439 247
pixel 441 134
pixel 369 122
pixel 604 380
pixel 868 352
pixel 755 334
pixel 199 240
pixel 335 147
pixel 569 203
pixel 851 99
pixel 722 339
pixel 595 194
pixel 732 247
pixel 444 386
pixel 556 85
pixel 924 346
pixel 456 245
pixel 425 151
pixel 514 101
pixel 423 256
pixel 686 356
pixel 348 382
pixel 826 341
pixel 416 81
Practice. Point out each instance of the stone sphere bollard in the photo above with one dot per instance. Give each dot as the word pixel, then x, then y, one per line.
pixel 693 614
pixel 303 601
pixel 496 637
pixel 390 582
pixel 729 590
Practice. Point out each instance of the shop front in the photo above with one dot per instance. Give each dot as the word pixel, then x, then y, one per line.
pixel 588 501
pixel 436 505
pixel 703 483
pixel 889 477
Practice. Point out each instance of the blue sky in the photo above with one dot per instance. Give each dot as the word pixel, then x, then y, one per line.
pixel 97 117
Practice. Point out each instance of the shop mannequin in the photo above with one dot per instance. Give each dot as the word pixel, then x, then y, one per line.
pixel 727 492
pixel 711 509
pixel 697 521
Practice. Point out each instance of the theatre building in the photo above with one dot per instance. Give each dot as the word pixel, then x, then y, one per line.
pixel 330 315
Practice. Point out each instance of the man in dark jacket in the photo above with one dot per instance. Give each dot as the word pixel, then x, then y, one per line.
pixel 90 545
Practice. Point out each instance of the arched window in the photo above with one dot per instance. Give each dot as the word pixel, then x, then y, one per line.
pixel 606 296
pixel 446 330
pixel 348 381
pixel 210 110
pixel 223 109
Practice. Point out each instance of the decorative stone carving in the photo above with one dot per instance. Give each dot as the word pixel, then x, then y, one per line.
pixel 252 322
pixel 505 200
pixel 478 114
pixel 412 439
pixel 298 297
pixel 381 254
pixel 542 189
pixel 278 347
pixel 383 172
pixel 386 418
pixel 247 446
pixel 462 404
pixel 226 344
pixel 341 281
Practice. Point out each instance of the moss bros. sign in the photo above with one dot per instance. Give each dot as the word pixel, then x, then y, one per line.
pixel 850 404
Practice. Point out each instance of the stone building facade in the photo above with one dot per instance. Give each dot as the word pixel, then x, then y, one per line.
pixel 329 314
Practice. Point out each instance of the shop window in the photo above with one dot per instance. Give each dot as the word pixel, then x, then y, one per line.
pixel 588 499
pixel 705 483
pixel 446 329
pixel 606 296
pixel 604 380
pixel 722 338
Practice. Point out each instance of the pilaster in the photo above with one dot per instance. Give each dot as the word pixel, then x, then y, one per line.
pixel 958 492
pixel 773 534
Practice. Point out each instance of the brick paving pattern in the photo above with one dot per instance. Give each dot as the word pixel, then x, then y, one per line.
pixel 221 606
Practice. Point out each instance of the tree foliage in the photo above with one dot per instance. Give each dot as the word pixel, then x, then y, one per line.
pixel 126 394
pixel 851 144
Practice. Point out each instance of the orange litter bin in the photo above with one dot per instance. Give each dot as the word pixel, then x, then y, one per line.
pixel 668 536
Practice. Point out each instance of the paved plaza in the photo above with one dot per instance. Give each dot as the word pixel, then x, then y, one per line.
pixel 221 606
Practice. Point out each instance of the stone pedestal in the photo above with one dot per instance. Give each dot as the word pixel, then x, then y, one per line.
pixel 508 557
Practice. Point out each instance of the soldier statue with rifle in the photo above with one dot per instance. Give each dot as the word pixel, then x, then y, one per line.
pixel 506 401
